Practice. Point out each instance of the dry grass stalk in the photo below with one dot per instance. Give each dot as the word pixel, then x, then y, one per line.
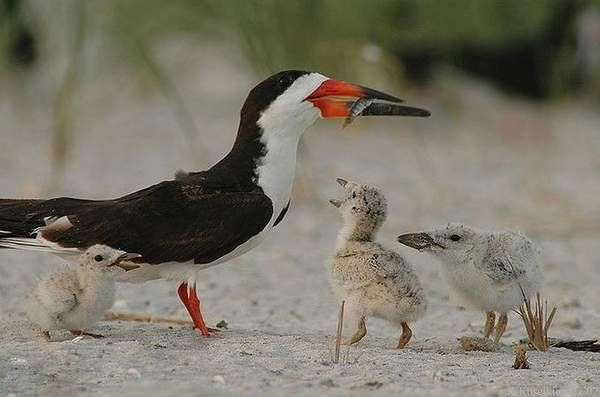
pixel 338 335
pixel 521 357
pixel 537 321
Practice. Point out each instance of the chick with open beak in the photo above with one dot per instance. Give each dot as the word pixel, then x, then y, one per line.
pixel 373 280
pixel 76 298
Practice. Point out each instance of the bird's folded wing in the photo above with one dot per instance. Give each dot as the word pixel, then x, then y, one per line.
pixel 169 222
pixel 502 269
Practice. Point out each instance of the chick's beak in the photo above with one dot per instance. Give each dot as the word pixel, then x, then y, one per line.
pixel 126 256
pixel 418 241
pixel 336 203
pixel 342 182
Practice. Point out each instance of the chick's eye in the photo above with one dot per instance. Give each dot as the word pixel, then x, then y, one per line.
pixel 455 237
pixel 98 258
pixel 354 195
pixel 284 82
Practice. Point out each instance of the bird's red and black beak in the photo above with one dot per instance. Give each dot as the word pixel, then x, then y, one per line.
pixel 332 99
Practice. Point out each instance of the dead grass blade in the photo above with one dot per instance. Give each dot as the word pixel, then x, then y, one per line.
pixel 338 335
pixel 536 320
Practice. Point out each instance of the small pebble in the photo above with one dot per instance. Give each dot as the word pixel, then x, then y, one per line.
pixel 134 372
pixel 222 324
pixel 468 343
pixel 218 379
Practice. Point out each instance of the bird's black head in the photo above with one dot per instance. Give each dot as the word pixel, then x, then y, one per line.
pixel 265 92
pixel 280 108
pixel 293 99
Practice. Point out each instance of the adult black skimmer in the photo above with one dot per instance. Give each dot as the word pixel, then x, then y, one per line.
pixel 202 218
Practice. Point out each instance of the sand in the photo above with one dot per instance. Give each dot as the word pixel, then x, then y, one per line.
pixel 482 158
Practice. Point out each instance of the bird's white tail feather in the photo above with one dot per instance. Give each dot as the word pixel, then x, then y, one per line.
pixel 37 244
pixel 142 274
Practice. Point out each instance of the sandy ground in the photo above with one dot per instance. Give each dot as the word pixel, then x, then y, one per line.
pixel 482 159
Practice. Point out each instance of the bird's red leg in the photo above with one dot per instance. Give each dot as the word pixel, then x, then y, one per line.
pixel 198 320
pixel 192 304
pixel 182 291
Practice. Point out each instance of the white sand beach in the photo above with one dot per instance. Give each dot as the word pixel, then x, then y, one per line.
pixel 480 159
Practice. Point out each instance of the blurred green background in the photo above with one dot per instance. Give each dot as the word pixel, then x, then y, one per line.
pixel 542 50
pixel 538 49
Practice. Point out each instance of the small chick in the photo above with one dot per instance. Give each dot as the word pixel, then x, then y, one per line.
pixel 489 270
pixel 74 299
pixel 374 281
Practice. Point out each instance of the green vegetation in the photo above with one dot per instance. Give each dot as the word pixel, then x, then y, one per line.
pixel 526 47
pixel 326 35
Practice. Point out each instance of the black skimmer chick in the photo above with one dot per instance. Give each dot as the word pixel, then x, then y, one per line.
pixel 75 298
pixel 200 219
pixel 374 281
pixel 490 271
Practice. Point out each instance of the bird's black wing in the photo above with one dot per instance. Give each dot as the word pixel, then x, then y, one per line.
pixel 584 345
pixel 21 217
pixel 172 221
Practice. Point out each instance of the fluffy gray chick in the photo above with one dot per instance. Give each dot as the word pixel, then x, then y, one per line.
pixel 77 297
pixel 488 270
pixel 373 280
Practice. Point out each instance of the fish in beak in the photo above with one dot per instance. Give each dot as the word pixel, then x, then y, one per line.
pixel 418 241
pixel 331 97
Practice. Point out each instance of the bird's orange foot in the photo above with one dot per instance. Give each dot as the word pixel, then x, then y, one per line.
pixel 192 304
pixel 208 329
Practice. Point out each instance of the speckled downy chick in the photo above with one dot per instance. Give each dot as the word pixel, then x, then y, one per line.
pixel 373 280
pixel 77 297
pixel 487 270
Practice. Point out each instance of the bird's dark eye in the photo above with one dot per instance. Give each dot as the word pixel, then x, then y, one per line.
pixel 284 82
pixel 354 195
pixel 98 258
pixel 455 237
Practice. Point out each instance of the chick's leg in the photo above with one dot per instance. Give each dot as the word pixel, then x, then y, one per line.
pixel 405 337
pixel 500 327
pixel 360 332
pixel 490 321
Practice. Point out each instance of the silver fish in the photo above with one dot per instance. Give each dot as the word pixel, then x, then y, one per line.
pixel 356 109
